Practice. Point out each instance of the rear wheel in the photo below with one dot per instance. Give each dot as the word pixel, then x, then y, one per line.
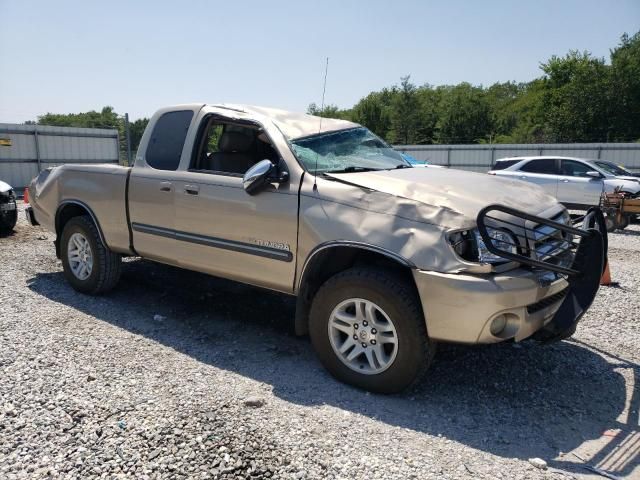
pixel 624 223
pixel 89 266
pixel 610 223
pixel 368 330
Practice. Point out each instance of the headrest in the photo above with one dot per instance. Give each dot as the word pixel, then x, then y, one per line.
pixel 235 142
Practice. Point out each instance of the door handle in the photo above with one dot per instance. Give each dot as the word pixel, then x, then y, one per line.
pixel 565 181
pixel 192 189
pixel 165 186
pixel 523 177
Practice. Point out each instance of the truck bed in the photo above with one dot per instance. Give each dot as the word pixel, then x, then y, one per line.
pixel 101 188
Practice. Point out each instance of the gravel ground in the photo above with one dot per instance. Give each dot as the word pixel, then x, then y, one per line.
pixel 180 375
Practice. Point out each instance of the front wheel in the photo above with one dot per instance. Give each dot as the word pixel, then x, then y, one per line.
pixel 368 330
pixel 89 266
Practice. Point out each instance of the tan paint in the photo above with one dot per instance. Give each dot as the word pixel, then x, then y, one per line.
pixel 405 213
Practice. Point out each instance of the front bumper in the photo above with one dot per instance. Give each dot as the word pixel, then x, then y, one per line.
pixel 461 308
pixel 547 300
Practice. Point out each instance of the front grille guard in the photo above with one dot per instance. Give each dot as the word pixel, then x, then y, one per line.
pixel 568 238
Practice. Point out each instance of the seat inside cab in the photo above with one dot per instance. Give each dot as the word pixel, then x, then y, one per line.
pixel 233 149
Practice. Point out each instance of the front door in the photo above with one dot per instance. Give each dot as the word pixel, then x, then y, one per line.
pixel 224 231
pixel 576 187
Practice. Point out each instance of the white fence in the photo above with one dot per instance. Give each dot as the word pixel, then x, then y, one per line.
pixel 480 158
pixel 26 150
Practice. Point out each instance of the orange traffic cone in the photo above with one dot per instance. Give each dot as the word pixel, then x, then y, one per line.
pixel 606 276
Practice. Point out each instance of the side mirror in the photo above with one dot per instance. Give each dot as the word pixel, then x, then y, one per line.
pixel 593 174
pixel 260 175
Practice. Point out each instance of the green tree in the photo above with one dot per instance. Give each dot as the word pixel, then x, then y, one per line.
pixel 625 85
pixel 372 112
pixel 528 111
pixel 405 113
pixel 106 118
pixel 136 129
pixel 429 105
pixel 464 115
pixel 329 111
pixel 576 98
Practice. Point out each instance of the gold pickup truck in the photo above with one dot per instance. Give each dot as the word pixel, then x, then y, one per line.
pixel 386 260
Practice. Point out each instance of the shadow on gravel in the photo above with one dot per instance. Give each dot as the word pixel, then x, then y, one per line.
pixel 630 233
pixel 510 400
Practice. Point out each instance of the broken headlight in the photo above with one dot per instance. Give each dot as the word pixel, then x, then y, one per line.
pixel 468 244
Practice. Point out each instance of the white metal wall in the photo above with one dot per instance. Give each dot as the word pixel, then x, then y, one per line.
pixel 480 158
pixel 36 147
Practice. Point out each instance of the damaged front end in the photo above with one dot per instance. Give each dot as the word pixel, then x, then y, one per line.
pixel 576 252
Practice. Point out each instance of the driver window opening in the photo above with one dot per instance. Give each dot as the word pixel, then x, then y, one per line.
pixel 230 148
pixel 571 168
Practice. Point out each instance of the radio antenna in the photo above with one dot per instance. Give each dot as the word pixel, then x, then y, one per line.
pixel 324 89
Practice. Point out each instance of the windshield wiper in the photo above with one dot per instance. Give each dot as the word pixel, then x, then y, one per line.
pixel 402 165
pixel 353 168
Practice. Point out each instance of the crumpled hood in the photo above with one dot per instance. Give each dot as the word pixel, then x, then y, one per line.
pixel 630 184
pixel 462 192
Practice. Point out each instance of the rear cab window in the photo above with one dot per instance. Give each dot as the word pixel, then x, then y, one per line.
pixel 547 166
pixel 167 140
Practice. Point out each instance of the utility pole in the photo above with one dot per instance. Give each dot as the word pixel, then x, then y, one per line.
pixel 128 138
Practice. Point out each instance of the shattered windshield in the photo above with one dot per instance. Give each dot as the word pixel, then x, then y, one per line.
pixel 352 150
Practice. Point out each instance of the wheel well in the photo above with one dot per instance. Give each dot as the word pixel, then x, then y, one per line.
pixel 330 261
pixel 65 213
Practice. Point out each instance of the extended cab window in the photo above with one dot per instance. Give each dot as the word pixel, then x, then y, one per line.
pixel 167 140
pixel 229 148
pixel 544 165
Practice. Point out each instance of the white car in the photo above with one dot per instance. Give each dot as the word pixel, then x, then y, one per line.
pixel 575 182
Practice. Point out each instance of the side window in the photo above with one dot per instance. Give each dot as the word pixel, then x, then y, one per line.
pixel 543 165
pixel 167 140
pixel 572 168
pixel 502 164
pixel 229 148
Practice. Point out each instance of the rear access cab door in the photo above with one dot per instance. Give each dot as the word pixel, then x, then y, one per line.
pixel 151 189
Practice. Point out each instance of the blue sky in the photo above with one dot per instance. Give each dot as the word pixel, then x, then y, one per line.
pixel 70 56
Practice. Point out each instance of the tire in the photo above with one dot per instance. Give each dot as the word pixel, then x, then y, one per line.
pixel 624 223
pixel 8 220
pixel 105 264
pixel 610 223
pixel 395 300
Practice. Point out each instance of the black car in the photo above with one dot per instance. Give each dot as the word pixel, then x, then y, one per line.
pixel 8 208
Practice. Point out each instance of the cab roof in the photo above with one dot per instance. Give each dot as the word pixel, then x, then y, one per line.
pixel 293 125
